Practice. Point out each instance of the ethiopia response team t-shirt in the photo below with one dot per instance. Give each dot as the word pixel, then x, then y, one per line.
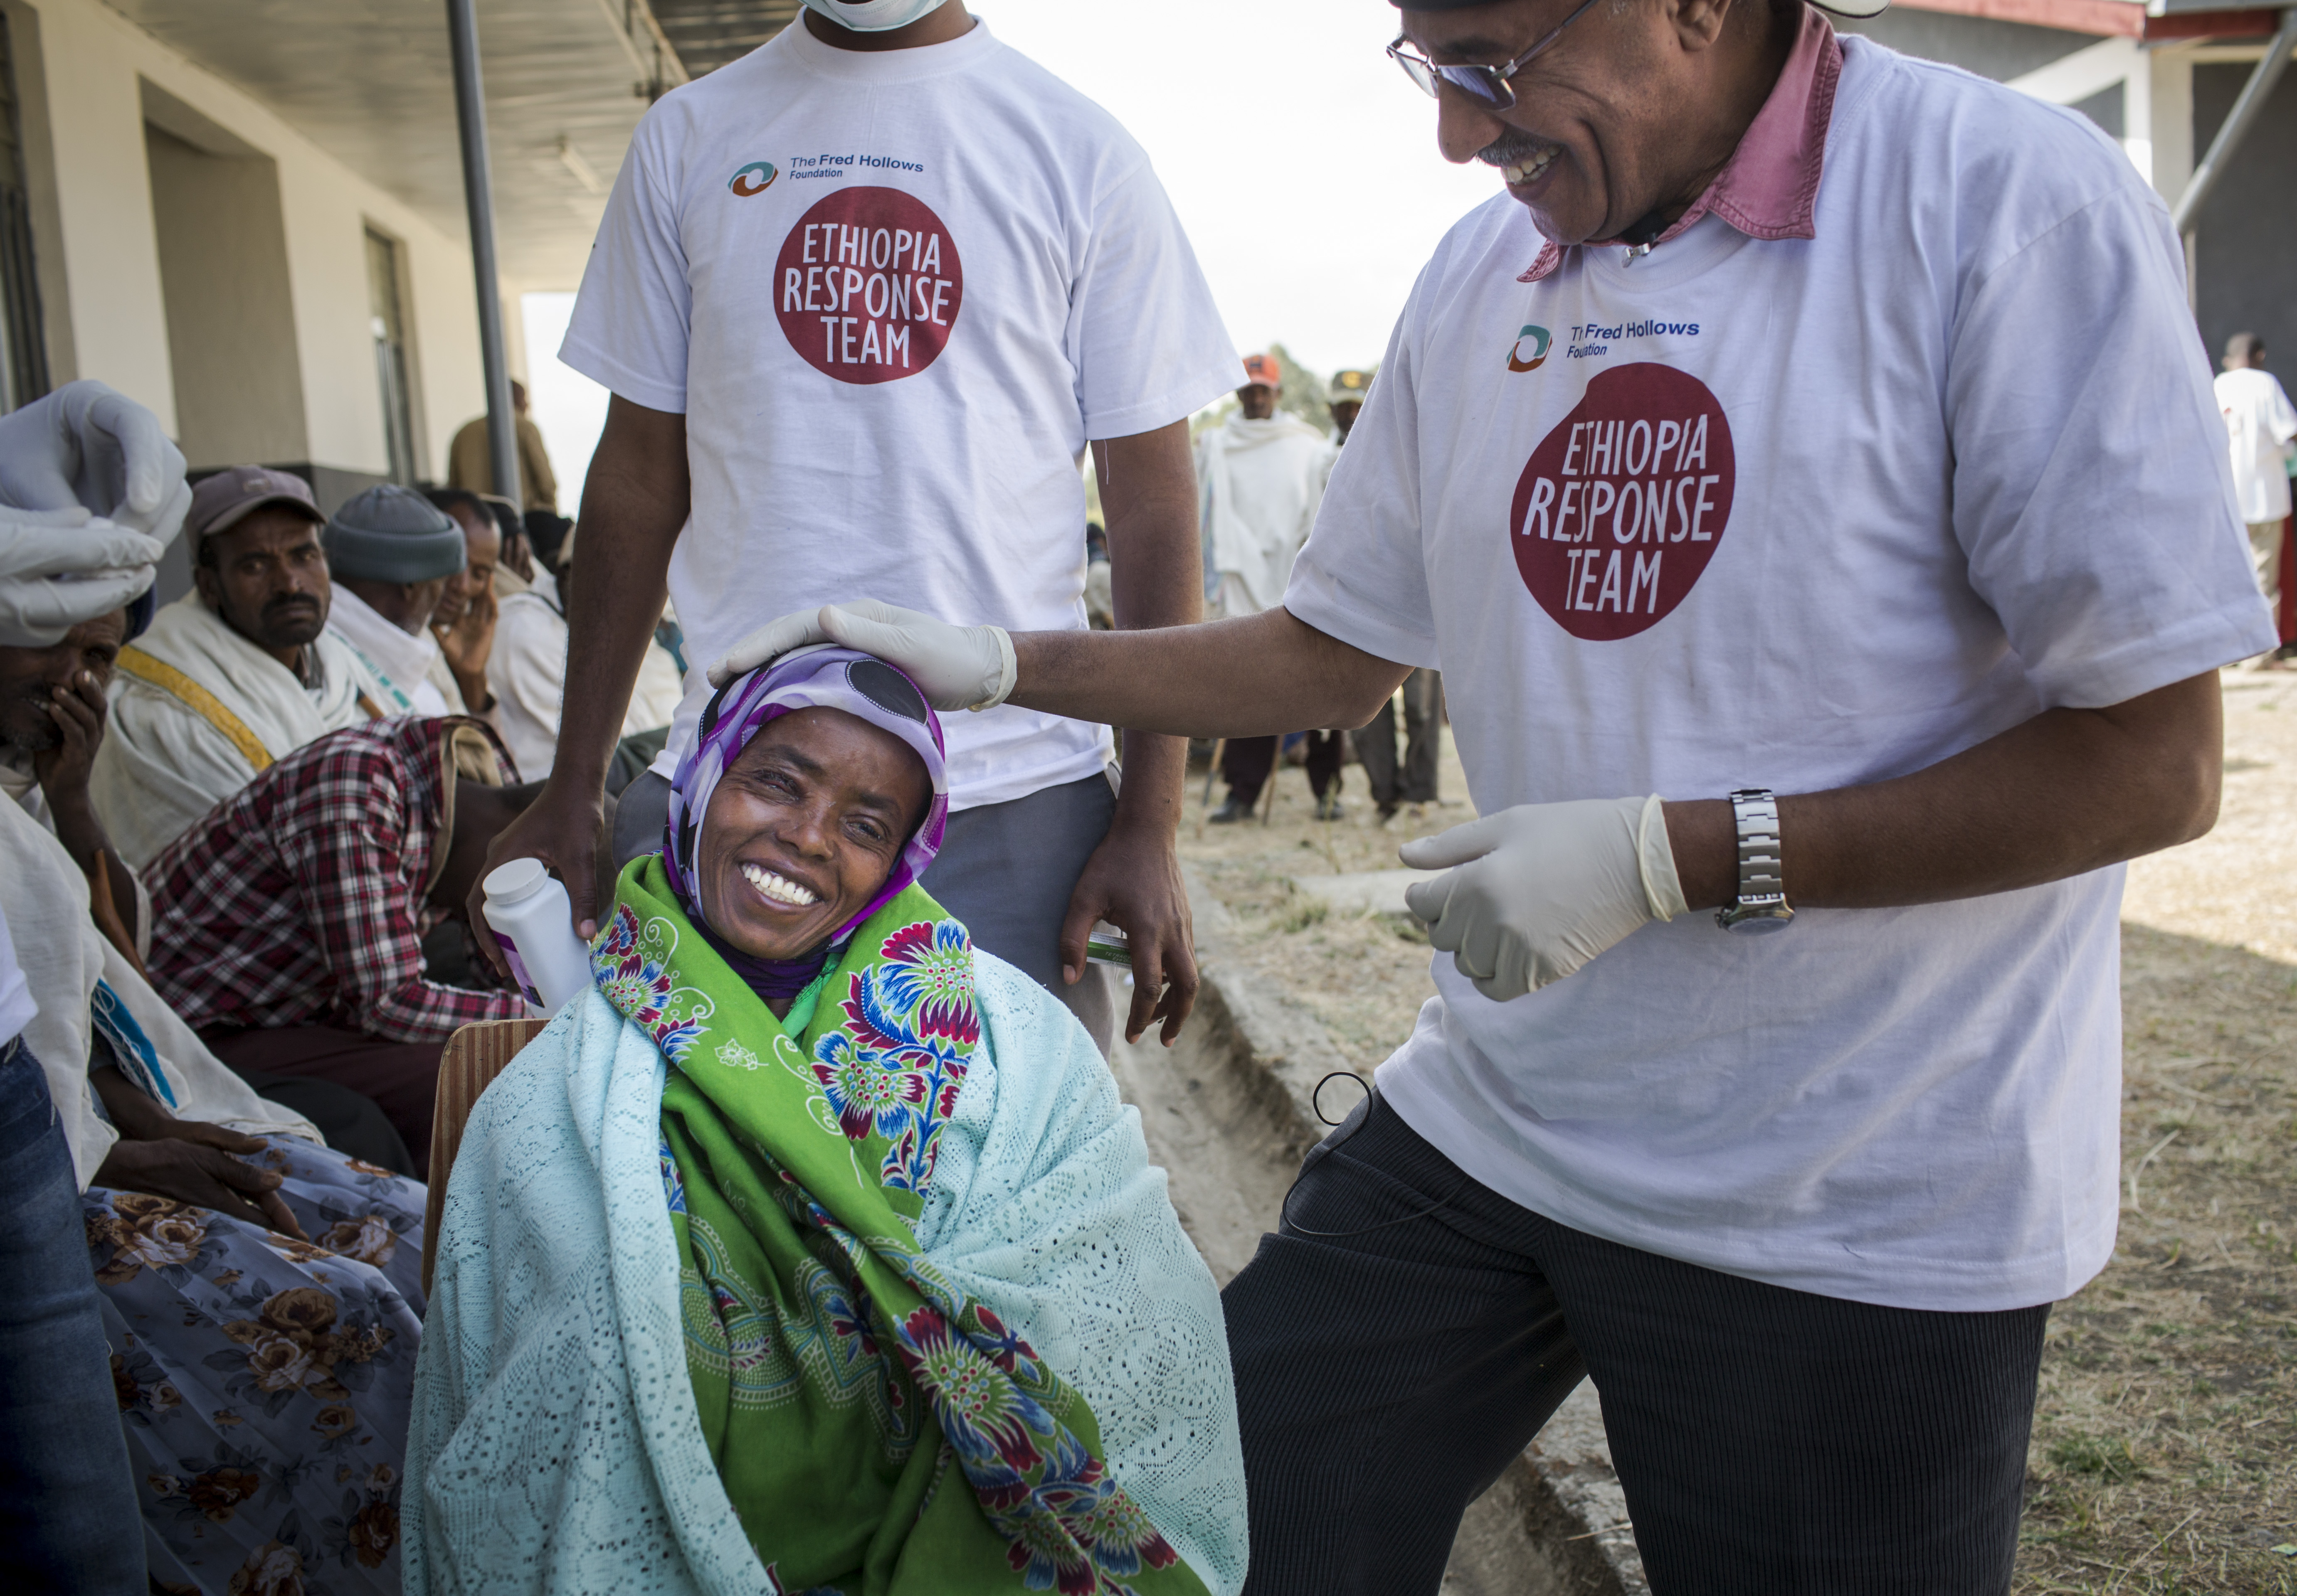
pixel 1802 513
pixel 895 294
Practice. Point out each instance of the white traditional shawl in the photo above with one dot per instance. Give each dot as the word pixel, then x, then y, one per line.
pixel 1261 484
pixel 163 764
pixel 43 897
pixel 556 1447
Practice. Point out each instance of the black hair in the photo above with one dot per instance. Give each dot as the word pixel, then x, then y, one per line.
pixel 451 499
pixel 546 533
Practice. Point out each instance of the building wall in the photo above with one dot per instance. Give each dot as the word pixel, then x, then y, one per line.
pixel 1997 50
pixel 230 306
pixel 2245 238
pixel 2243 247
pixel 92 68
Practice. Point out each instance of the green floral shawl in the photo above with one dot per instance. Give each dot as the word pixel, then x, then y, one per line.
pixel 838 1375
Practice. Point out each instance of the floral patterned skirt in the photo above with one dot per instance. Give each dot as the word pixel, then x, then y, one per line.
pixel 265 1383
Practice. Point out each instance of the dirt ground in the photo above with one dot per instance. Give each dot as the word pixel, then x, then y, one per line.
pixel 2164 1457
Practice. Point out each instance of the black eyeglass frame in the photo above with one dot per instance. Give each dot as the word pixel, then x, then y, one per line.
pixel 1487 84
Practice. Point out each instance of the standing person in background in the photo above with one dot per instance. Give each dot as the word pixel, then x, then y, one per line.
pixel 1347 395
pixel 470 467
pixel 883 384
pixel 1261 475
pixel 2262 423
pixel 91 490
pixel 1414 781
pixel 237 673
pixel 391 555
pixel 1422 692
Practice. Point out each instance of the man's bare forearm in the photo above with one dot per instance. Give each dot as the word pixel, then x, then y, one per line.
pixel 1248 678
pixel 2067 792
pixel 634 503
pixel 1149 494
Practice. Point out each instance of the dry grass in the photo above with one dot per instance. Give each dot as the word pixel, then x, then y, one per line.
pixel 2165 1439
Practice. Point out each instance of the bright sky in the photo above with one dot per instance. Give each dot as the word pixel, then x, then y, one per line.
pixel 1303 164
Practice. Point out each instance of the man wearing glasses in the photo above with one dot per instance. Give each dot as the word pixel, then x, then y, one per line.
pixel 1807 479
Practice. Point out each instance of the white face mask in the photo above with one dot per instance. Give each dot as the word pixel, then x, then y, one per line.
pixel 873 16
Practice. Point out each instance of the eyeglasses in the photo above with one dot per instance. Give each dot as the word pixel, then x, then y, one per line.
pixel 1486 86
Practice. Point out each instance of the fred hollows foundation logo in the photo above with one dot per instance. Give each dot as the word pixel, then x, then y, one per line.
pixel 754 178
pixel 1621 506
pixel 1517 361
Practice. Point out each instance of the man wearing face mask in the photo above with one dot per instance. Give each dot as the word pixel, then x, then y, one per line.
pixel 1793 548
pixel 863 299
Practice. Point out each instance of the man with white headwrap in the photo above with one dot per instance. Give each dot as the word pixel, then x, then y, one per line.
pixel 91 490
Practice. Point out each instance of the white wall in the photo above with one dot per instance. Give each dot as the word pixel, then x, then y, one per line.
pixel 92 58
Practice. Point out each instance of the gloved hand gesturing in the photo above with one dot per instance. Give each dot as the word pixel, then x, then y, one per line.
pixel 1533 892
pixel 955 667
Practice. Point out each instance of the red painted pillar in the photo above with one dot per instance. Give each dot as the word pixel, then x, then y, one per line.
pixel 2287 618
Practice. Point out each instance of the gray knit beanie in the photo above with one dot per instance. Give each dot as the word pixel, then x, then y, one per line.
pixel 393 534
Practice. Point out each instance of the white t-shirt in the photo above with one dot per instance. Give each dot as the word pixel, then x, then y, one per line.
pixel 1803 514
pixel 895 294
pixel 2260 424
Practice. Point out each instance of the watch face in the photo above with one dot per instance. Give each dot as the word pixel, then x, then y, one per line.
pixel 1760 923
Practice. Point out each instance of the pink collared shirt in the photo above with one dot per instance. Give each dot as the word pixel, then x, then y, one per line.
pixel 1769 185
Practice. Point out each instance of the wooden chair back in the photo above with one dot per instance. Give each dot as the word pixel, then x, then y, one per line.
pixel 473 1058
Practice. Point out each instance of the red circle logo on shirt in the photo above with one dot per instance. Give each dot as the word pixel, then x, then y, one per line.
pixel 1620 507
pixel 867 285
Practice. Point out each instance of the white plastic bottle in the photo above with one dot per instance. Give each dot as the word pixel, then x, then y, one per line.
pixel 533 923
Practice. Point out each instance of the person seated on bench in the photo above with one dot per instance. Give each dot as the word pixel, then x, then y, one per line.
pixel 288 924
pixel 812 1237
pixel 237 674
pixel 260 1293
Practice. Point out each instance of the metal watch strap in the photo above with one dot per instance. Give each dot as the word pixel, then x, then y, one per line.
pixel 1762 901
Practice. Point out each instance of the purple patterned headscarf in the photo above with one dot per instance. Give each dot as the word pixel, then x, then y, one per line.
pixel 819 677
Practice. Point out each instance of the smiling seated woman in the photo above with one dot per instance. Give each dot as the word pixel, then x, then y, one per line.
pixel 813 1251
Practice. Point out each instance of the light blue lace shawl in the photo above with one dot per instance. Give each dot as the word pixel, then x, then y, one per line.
pixel 555 1445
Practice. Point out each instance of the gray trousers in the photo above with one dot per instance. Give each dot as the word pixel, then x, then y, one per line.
pixel 1423 719
pixel 1005 870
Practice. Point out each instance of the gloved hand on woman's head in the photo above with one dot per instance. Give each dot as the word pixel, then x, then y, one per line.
pixel 955 667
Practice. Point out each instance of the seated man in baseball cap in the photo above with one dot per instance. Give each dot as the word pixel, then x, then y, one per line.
pixel 233 676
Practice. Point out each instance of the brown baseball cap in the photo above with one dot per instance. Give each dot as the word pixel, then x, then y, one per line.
pixel 228 497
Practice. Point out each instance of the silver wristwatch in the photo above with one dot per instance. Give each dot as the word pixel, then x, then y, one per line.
pixel 1762 902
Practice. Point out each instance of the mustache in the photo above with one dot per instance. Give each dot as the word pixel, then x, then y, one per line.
pixel 290 601
pixel 40 732
pixel 1512 148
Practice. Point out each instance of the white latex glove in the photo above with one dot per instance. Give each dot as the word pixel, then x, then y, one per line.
pixel 955 667
pixel 61 567
pixel 88 446
pixel 1541 888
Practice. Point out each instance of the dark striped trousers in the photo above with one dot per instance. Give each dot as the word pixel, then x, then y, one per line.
pixel 1407 1331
